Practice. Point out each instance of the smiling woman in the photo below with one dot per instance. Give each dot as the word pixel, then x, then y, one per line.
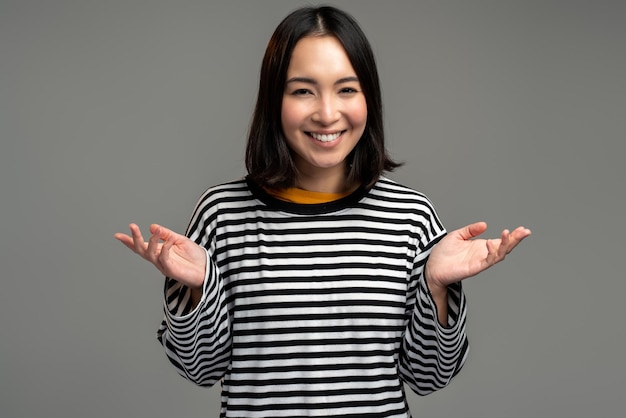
pixel 324 113
pixel 316 286
pixel 269 159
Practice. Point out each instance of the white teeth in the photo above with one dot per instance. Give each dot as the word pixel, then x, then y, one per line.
pixel 326 138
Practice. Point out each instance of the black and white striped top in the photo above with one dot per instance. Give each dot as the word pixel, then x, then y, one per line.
pixel 314 309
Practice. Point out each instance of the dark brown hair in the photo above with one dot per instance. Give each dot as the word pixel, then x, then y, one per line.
pixel 268 159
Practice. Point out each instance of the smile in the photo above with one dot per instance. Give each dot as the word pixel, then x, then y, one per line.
pixel 326 137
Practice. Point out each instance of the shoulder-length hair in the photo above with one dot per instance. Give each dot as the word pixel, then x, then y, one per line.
pixel 268 159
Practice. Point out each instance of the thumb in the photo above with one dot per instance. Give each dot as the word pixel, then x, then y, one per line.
pixel 161 231
pixel 472 230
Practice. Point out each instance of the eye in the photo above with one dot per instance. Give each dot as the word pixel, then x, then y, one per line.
pixel 348 90
pixel 301 92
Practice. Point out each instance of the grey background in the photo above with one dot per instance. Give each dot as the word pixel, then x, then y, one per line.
pixel 113 112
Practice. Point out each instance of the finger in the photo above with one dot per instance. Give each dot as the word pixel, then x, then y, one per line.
pixel 493 246
pixel 497 249
pixel 153 250
pixel 161 231
pixel 125 239
pixel 164 255
pixel 139 244
pixel 515 237
pixel 472 230
pixel 505 242
pixel 166 234
pixel 506 245
pixel 521 232
pixel 510 240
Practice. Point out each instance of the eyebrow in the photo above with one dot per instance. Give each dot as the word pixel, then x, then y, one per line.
pixel 313 81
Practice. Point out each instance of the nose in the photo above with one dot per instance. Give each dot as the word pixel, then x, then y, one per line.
pixel 327 111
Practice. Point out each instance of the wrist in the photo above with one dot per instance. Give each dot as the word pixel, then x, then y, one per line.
pixel 434 287
pixel 196 296
pixel 439 294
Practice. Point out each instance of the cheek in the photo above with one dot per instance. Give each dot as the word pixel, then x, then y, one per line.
pixel 290 115
pixel 358 114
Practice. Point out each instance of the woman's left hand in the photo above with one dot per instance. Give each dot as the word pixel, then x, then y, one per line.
pixel 458 256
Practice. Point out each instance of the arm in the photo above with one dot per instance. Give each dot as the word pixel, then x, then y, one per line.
pixel 440 299
pixel 435 345
pixel 195 331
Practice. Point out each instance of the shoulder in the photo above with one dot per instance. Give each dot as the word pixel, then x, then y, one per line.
pixel 236 189
pixel 233 196
pixel 389 190
pixel 402 203
pixel 233 193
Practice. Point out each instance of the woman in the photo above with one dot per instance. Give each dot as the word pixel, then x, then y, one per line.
pixel 316 286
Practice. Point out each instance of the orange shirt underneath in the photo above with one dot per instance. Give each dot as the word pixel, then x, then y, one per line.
pixel 295 195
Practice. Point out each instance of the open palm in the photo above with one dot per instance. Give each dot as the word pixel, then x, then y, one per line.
pixel 459 255
pixel 175 255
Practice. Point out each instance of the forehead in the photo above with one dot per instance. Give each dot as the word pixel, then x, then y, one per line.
pixel 321 55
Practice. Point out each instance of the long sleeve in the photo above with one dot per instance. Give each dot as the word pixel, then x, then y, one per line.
pixel 198 340
pixel 431 354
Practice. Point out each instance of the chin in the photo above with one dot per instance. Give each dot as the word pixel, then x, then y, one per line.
pixel 328 165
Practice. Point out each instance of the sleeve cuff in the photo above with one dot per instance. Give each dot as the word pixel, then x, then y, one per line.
pixel 456 303
pixel 177 297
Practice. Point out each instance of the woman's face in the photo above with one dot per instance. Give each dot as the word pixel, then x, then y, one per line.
pixel 323 110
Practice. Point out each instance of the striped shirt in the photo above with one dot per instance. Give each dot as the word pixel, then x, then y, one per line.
pixel 314 309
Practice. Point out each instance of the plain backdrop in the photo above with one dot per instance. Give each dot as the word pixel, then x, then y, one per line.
pixel 111 112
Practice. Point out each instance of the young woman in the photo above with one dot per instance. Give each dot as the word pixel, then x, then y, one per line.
pixel 316 286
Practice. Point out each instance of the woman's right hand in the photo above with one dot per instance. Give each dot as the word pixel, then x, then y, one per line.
pixel 174 255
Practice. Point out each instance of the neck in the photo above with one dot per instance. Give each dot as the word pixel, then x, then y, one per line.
pixel 325 183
